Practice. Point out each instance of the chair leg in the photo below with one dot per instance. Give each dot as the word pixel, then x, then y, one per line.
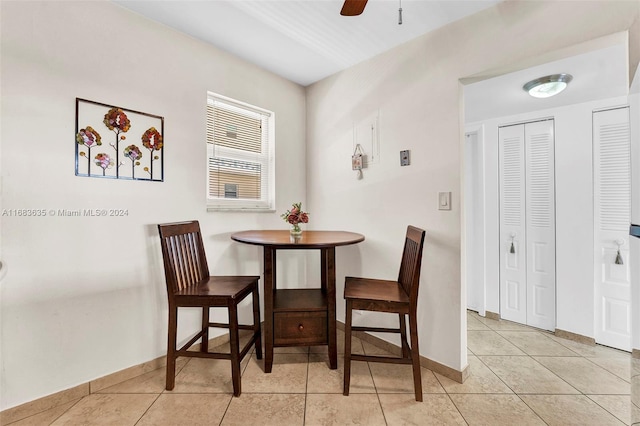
pixel 415 355
pixel 171 347
pixel 256 322
pixel 204 344
pixel 234 342
pixel 347 348
pixel 403 336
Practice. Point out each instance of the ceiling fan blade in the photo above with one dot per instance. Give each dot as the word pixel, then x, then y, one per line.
pixel 353 7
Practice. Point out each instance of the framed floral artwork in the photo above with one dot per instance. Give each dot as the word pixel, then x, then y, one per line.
pixel 118 143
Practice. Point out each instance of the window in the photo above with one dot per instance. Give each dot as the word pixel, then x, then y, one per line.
pixel 240 156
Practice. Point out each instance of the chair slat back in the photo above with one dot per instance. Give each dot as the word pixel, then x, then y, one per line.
pixel 185 263
pixel 409 276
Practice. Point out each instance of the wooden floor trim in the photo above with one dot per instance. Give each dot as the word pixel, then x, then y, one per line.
pixel 575 337
pixel 492 315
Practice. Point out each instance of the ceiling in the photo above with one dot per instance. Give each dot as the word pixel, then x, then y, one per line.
pixel 307 40
pixel 597 74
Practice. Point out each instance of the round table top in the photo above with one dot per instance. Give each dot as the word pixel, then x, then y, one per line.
pixel 308 239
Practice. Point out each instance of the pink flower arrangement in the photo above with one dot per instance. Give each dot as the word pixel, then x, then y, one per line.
pixel 295 215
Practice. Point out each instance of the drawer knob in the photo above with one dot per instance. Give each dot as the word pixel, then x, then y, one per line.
pixel 300 327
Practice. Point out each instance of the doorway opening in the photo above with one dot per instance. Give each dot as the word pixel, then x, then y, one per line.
pixel 575 292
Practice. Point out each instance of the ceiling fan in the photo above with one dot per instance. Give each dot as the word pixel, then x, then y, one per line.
pixel 353 7
pixel 356 7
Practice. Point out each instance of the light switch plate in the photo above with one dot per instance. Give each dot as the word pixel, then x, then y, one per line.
pixel 444 200
pixel 404 158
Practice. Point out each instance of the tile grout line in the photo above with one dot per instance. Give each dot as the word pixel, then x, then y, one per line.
pixel 148 408
pixel 604 408
pixel 585 358
pixel 226 410
pixel 377 393
pixel 495 374
pixel 545 367
pixel 374 385
pixel 451 399
pixel 578 355
pixel 65 411
pixel 54 420
pixel 555 374
pixel 500 378
pixel 606 369
pixel 531 408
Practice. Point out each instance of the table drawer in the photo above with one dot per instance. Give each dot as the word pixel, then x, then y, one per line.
pixel 300 328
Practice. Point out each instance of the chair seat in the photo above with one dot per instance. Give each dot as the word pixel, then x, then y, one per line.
pixel 234 287
pixel 375 290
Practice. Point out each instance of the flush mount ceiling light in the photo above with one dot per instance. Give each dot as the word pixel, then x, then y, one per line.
pixel 545 87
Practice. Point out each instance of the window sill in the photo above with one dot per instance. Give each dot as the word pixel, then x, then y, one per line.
pixel 239 209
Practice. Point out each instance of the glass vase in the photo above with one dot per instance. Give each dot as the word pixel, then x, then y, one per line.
pixel 295 230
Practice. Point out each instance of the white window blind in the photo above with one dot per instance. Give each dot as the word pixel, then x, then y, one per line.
pixel 240 155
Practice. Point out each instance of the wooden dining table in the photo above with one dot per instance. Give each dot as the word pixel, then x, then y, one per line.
pixel 299 316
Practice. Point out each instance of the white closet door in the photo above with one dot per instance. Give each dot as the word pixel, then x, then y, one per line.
pixel 540 224
pixel 612 197
pixel 513 283
pixel 474 221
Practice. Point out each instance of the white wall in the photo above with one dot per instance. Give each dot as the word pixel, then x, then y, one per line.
pixel 85 297
pixel 416 89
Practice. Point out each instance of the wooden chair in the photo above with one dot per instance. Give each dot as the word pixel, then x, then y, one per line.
pixel 399 297
pixel 190 285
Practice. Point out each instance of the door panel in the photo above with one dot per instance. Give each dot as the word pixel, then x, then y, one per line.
pixel 540 224
pixel 612 201
pixel 513 293
pixel 527 224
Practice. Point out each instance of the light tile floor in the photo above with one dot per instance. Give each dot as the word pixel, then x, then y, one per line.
pixel 518 376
